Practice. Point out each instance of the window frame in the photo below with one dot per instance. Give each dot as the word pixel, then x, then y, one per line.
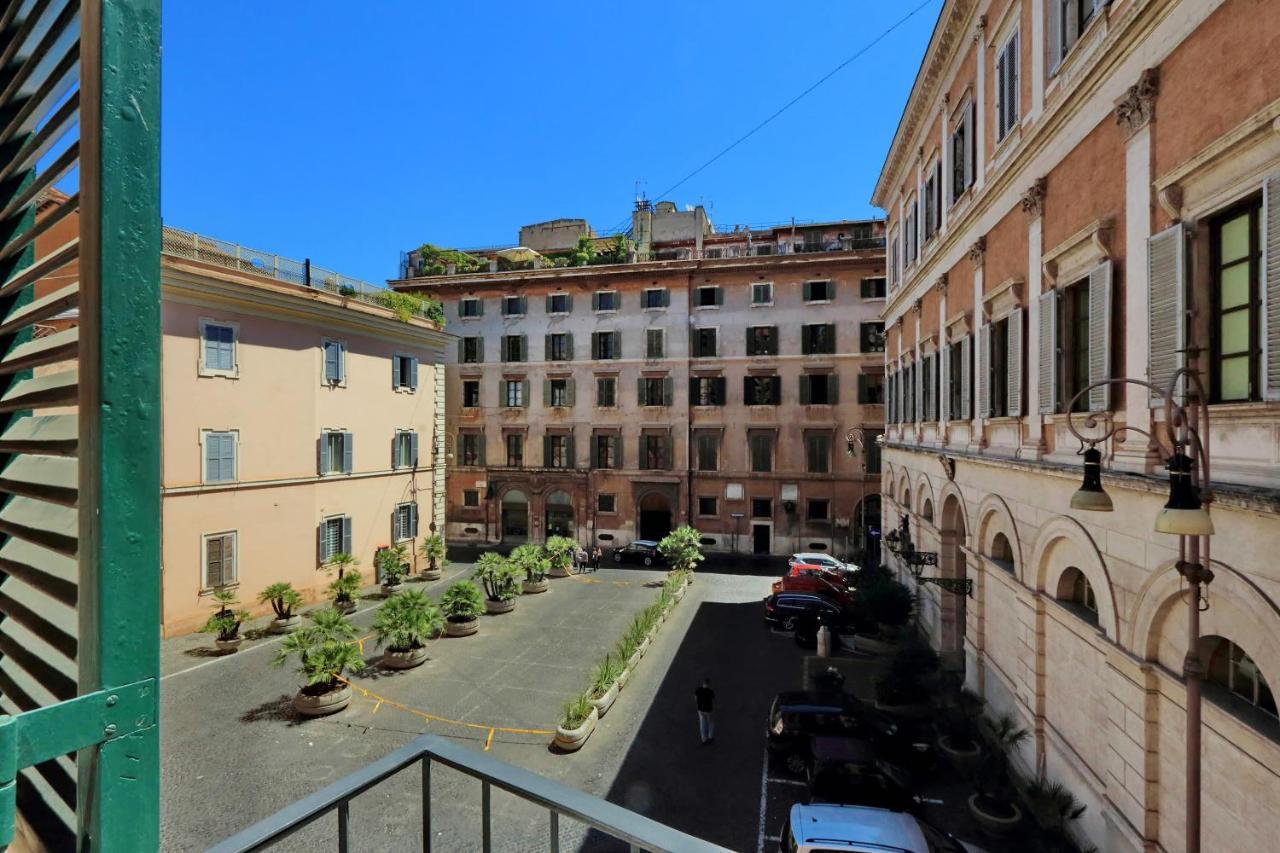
pixel 520 304
pixel 234 434
pixel 715 506
pixel 327 434
pixel 466 498
pixel 473 358
pixel 234 535
pixel 883 288
pixel 811 503
pixel 648 343
pixel 809 452
pixel 614 299
pixel 613 392
pixel 754 460
pixel 563 388
pixel 663 298
pixel 829 288
pixel 465 439
pixel 469 301
pixel 471 383
pixel 998 370
pixel 514 440
pixel 761 303
pixel 203 367
pixel 698 447
pixel 412 508
pixel 698 351
pixel 807 334
pixel 507 385
pixel 752 348
pixel 717 296
pixel 1008 120
pixel 506 349
pixel 552 298
pixel 325 521
pixel 400 359
pixel 341 380
pixel 407 437
pixel 613 503
pixel 1251 207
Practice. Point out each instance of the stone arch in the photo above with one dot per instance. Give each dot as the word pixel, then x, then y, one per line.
pixel 903 489
pixel 1062 543
pixel 995 517
pixel 952 512
pixel 1238 610
pixel 924 492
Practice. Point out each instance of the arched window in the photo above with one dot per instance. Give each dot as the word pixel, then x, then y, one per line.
pixel 1002 552
pixel 1235 676
pixel 1075 592
pixel 927 511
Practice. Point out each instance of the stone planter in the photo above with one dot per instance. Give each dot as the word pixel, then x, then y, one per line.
pixel 535 587
pixel 325 703
pixel 633 662
pixel 228 646
pixel 914 711
pixel 993 823
pixel 432 574
pixel 493 608
pixel 679 593
pixel 345 606
pixel 571 740
pixel 392 589
pixel 644 647
pixel 872 645
pixel 962 759
pixel 284 626
pixel 558 572
pixel 407 659
pixel 461 629
pixel 624 678
pixel 605 702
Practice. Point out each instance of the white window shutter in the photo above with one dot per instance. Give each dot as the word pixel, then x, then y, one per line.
pixel 1166 307
pixel 1100 336
pixel 984 358
pixel 944 387
pixel 413 520
pixel 1014 360
pixel 966 377
pixel 1270 289
pixel 969 148
pixel 1048 352
pixel 396 533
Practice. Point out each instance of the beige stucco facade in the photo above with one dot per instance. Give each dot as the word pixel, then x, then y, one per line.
pixel 1137 140
pixel 276 403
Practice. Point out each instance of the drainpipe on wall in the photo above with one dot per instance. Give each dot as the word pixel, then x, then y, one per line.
pixel 688 397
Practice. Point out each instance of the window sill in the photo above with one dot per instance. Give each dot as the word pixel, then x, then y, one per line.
pixel 219 374
pixel 606 310
pixel 403 390
pixel 761 304
pixel 818 301
pixel 208 591
pixel 706 308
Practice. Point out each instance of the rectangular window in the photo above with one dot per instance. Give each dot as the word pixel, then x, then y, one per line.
pixel 404 522
pixel 817 509
pixel 707 390
pixel 964 152
pixel 1074 328
pixel 1007 87
pixel 761 447
pixel 655 451
pixel 513 348
pixel 606 392
pixel 471 351
pixel 559 346
pixel 704 343
pixel 606 300
pixel 818 291
pixel 471 449
pixel 655 391
pixel 655 343
pixel 708 297
pixel 220 457
pixel 470 498
pixel 871 389
pixel 470 308
pixel 471 393
pixel 998 369
pixel 558 451
pixel 818 339
pixel 932 209
pixel 335 537
pixel 707 450
pixel 605 345
pixel 1073 17
pixel 404 449
pixel 404 372
pixel 559 392
pixel 708 506
pixel 761 508
pixel 817 452
pixel 335 362
pixel 558 303
pixel 606 504
pixel 762 293
pixel 219 560
pixel 873 288
pixel 513 306
pixel 762 390
pixel 958 382
pixel 335 452
pixel 655 297
pixel 515 450
pixel 871 449
pixel 928 390
pixel 219 348
pixel 818 389
pixel 762 340
pixel 513 393
pixel 605 451
pixel 1235 255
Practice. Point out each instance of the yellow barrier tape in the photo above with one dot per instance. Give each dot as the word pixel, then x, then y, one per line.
pixel 383 700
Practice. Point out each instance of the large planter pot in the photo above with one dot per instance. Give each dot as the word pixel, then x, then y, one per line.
pixel 284 626
pixel 624 678
pixel 228 646
pixel 392 589
pixel 872 645
pixel 557 572
pixel 571 740
pixel 994 823
pixel 633 662
pixel 914 711
pixel 679 593
pixel 535 587
pixel 605 702
pixel 644 647
pixel 961 758
pixel 493 608
pixel 432 574
pixel 461 629
pixel 407 659
pixel 309 705
pixel 345 606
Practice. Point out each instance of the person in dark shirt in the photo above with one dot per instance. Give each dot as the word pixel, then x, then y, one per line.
pixel 706 699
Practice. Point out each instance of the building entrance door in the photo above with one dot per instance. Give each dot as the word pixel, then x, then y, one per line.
pixel 514 520
pixel 559 518
pixel 760 539
pixel 655 516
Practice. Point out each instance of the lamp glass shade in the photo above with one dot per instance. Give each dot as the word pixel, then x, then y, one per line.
pixel 1183 514
pixel 1091 496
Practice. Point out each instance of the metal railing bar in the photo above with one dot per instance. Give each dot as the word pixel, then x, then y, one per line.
pixel 426 803
pixel 344 826
pixel 43 140
pixel 19 38
pixel 554 846
pixel 6 18
pixel 486 824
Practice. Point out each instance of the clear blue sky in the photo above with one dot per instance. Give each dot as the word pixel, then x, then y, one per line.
pixel 345 132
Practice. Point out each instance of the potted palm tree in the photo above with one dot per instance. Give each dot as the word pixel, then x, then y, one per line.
pixel 560 552
pixel 224 623
pixel 325 649
pixel 433 551
pixel 533 566
pixel 403 624
pixel 501 582
pixel 577 724
pixel 683 549
pixel 344 588
pixel 1054 808
pixel 285 601
pixel 391 565
pixel 604 684
pixel 462 605
pixel 994 805
pixel 905 688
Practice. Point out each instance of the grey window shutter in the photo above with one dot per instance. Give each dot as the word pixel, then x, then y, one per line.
pixel 593 452
pixel 1100 336
pixel 1166 306
pixel 395 450
pixel 805 395
pixel 966 377
pixel 570 452
pixel 1014 360
pixel 413 374
pixel 668 390
pixel 523 303
pixel 479 307
pixel 546 349
pixel 346 534
pixel 348 451
pixel 571 394
pixel 549 303
pixel 1002 95
pixel 462 350
pixel 395 371
pixel 945 383
pixel 546 451
pixel 1015 69
pixel 413 520
pixel 719 295
pixel 616 442
pixel 524 393
pixel 1055 35
pixel 546 393
pixel 481 457
pixel 568 303
pixel 211 468
pixel 1270 288
pixel 595 301
pixel 1048 355
pixel 568 345
pixel 479 355
pixel 807 291
pixel 396 534
pixel 595 344
pixel 524 348
pixel 833 389
pixel 322 549
pixel 640 397
pixel 984 359
pixel 322 454
pixel 413 448
pixel 617 344
pixel 666 298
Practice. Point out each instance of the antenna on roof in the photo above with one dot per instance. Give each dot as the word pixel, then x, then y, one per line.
pixel 642 203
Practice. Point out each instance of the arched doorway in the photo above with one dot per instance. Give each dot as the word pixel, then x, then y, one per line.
pixel 655 516
pixel 559 515
pixel 952 564
pixel 513 513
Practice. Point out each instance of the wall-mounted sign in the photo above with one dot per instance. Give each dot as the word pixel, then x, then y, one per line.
pixel 733 492
pixel 790 492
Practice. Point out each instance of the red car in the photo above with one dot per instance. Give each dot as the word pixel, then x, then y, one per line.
pixel 814 580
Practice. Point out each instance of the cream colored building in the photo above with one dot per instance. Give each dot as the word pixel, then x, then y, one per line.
pixel 297 421
pixel 1081 191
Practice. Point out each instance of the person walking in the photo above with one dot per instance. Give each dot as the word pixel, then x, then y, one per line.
pixel 596 555
pixel 706 700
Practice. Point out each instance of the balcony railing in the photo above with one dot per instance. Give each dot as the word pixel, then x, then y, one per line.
pixel 638 831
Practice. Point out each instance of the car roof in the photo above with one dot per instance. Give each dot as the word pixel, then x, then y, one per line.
pixel 811 555
pixel 798 700
pixel 647 543
pixel 856 827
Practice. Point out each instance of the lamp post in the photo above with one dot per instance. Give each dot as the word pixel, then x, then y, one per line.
pixel 1184 444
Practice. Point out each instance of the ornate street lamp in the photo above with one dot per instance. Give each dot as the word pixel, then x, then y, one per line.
pixel 1184 444
pixel 900 543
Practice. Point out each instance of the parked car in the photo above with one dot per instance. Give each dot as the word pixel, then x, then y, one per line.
pixel 797 717
pixel 828 828
pixel 639 551
pixel 817 583
pixel 828 562
pixel 851 772
pixel 789 609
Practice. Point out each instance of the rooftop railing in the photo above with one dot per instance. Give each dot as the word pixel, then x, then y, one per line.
pixel 640 832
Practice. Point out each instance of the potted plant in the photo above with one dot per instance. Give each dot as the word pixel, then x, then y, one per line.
pixel 391 565
pixel 325 650
pixel 403 624
pixel 675 584
pixel 577 724
pixel 993 805
pixel 626 654
pixel 533 566
pixel 285 601
pixel 683 549
pixel 343 589
pixel 604 684
pixel 1054 807
pixel 433 551
pixel 224 623
pixel 462 605
pixel 906 686
pixel 560 553
pixel 501 582
pixel 958 739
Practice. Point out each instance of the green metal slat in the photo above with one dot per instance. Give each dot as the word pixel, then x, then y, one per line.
pixel 48 524
pixel 52 389
pixel 47 478
pixel 49 305
pixel 55 260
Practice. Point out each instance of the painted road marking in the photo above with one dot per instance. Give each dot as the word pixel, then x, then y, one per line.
pixel 764 799
pixel 787 782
